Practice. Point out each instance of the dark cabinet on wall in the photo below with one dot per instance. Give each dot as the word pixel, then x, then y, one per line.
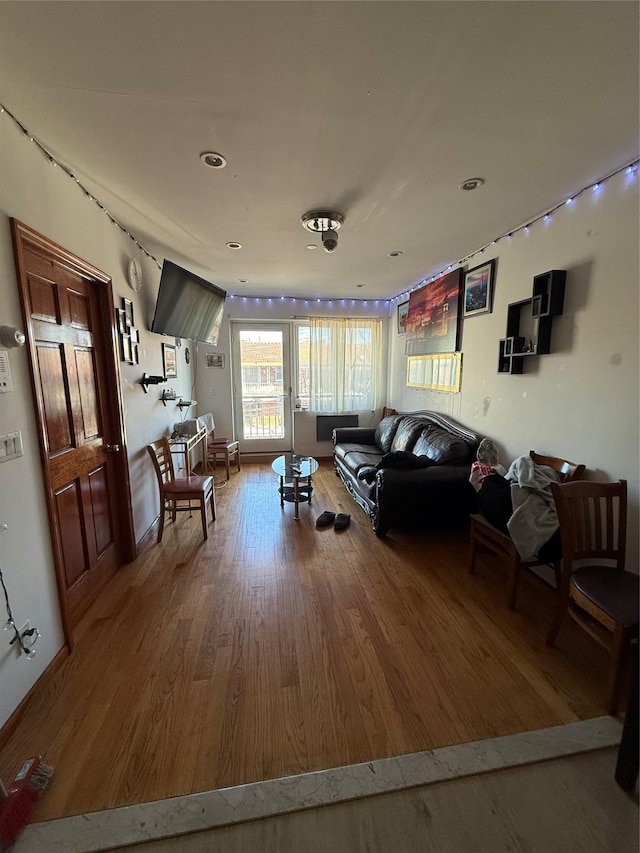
pixel 529 322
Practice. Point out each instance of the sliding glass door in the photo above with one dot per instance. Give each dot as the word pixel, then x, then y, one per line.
pixel 262 387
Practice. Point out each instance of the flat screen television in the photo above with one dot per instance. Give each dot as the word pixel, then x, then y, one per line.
pixel 188 306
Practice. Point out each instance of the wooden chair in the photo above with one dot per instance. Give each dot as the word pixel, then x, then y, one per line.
pixel 601 597
pixel 175 491
pixel 484 535
pixel 221 448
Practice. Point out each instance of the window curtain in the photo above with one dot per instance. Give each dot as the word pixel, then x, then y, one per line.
pixel 344 364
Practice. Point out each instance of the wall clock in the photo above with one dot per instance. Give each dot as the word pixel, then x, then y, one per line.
pixel 134 274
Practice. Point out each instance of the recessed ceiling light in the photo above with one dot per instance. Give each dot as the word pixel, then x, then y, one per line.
pixel 242 280
pixel 361 285
pixel 213 160
pixel 234 245
pixel 311 246
pixel 394 254
pixel 471 184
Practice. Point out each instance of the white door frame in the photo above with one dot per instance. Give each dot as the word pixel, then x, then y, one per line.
pixel 262 443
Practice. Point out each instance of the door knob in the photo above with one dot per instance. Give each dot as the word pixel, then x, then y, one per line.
pixel 112 448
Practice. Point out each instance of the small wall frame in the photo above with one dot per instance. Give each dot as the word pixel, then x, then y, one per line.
pixel 438 371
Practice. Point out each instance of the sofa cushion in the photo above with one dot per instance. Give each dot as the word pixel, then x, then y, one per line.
pixel 386 430
pixel 407 434
pixel 343 450
pixel 356 460
pixel 441 447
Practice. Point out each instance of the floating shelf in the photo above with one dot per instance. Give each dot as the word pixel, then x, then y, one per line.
pixel 530 321
pixel 151 380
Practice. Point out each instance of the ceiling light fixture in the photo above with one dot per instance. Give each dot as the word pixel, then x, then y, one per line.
pixel 326 223
pixel 213 160
pixel 395 254
pixel 471 184
pixel 234 245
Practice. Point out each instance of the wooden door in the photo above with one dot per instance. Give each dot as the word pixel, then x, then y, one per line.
pixel 68 312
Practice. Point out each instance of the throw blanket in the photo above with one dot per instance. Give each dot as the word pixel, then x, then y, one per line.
pixel 534 519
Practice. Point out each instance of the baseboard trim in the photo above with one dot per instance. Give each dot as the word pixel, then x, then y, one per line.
pixel 10 726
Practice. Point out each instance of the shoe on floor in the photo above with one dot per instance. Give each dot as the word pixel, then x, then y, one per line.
pixel 342 521
pixel 326 519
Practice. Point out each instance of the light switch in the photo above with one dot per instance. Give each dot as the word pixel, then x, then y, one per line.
pixel 11 446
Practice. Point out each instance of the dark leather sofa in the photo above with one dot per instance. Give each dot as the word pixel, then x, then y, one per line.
pixel 410 472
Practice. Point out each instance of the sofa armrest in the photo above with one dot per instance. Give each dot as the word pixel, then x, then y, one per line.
pixel 354 435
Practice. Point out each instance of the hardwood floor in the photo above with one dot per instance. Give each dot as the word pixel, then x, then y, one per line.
pixel 274 648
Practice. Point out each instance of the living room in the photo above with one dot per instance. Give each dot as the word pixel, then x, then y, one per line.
pixel 579 402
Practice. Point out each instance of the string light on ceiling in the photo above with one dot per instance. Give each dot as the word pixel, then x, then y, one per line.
pixel 630 169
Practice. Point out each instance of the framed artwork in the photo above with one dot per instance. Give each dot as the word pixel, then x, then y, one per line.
pixel 214 359
pixel 169 361
pixel 125 349
pixel 439 372
pixel 478 289
pixel 135 353
pixel 403 311
pixel 122 323
pixel 127 307
pixel 433 321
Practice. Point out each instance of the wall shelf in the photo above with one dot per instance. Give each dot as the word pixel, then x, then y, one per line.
pixel 530 322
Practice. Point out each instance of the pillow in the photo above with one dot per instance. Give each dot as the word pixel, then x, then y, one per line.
pixel 441 447
pixel 407 433
pixel 385 431
pixel 403 459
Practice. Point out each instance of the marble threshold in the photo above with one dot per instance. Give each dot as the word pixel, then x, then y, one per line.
pixel 136 824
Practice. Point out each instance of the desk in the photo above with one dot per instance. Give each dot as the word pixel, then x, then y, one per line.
pixel 185 445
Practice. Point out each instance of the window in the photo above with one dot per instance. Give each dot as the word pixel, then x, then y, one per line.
pixel 339 364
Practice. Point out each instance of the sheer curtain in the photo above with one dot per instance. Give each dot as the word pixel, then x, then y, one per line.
pixel 344 364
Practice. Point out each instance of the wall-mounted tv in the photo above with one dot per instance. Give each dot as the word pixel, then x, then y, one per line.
pixel 188 306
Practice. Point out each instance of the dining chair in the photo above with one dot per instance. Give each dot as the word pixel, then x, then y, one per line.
pixel 175 491
pixel 485 536
pixel 599 594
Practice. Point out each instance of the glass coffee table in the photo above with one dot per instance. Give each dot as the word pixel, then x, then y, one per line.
pixel 295 474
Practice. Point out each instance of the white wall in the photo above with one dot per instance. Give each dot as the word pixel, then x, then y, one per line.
pixel 46 199
pixel 214 386
pixel 581 401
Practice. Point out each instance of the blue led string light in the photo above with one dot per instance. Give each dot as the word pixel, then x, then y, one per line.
pixel 546 216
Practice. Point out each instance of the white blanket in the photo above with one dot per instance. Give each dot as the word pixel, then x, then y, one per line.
pixel 534 518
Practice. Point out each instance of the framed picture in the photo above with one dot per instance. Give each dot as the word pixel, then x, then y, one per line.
pixel 214 359
pixel 127 307
pixel 403 311
pixel 133 334
pixel 169 361
pixel 125 349
pixel 433 321
pixel 478 289
pixel 122 323
pixel 440 372
pixel 135 353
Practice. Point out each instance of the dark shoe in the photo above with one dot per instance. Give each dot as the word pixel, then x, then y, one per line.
pixel 326 519
pixel 342 521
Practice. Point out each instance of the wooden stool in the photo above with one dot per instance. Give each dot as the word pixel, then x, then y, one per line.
pixel 226 450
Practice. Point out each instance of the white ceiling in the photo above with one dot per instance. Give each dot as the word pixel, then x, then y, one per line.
pixel 376 109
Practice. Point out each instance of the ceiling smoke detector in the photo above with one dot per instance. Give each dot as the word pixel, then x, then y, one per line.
pixel 326 223
pixel 471 184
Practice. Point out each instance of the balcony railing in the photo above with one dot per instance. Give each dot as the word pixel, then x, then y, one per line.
pixel 263 417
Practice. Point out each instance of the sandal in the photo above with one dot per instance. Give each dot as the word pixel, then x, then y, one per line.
pixel 342 521
pixel 326 519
